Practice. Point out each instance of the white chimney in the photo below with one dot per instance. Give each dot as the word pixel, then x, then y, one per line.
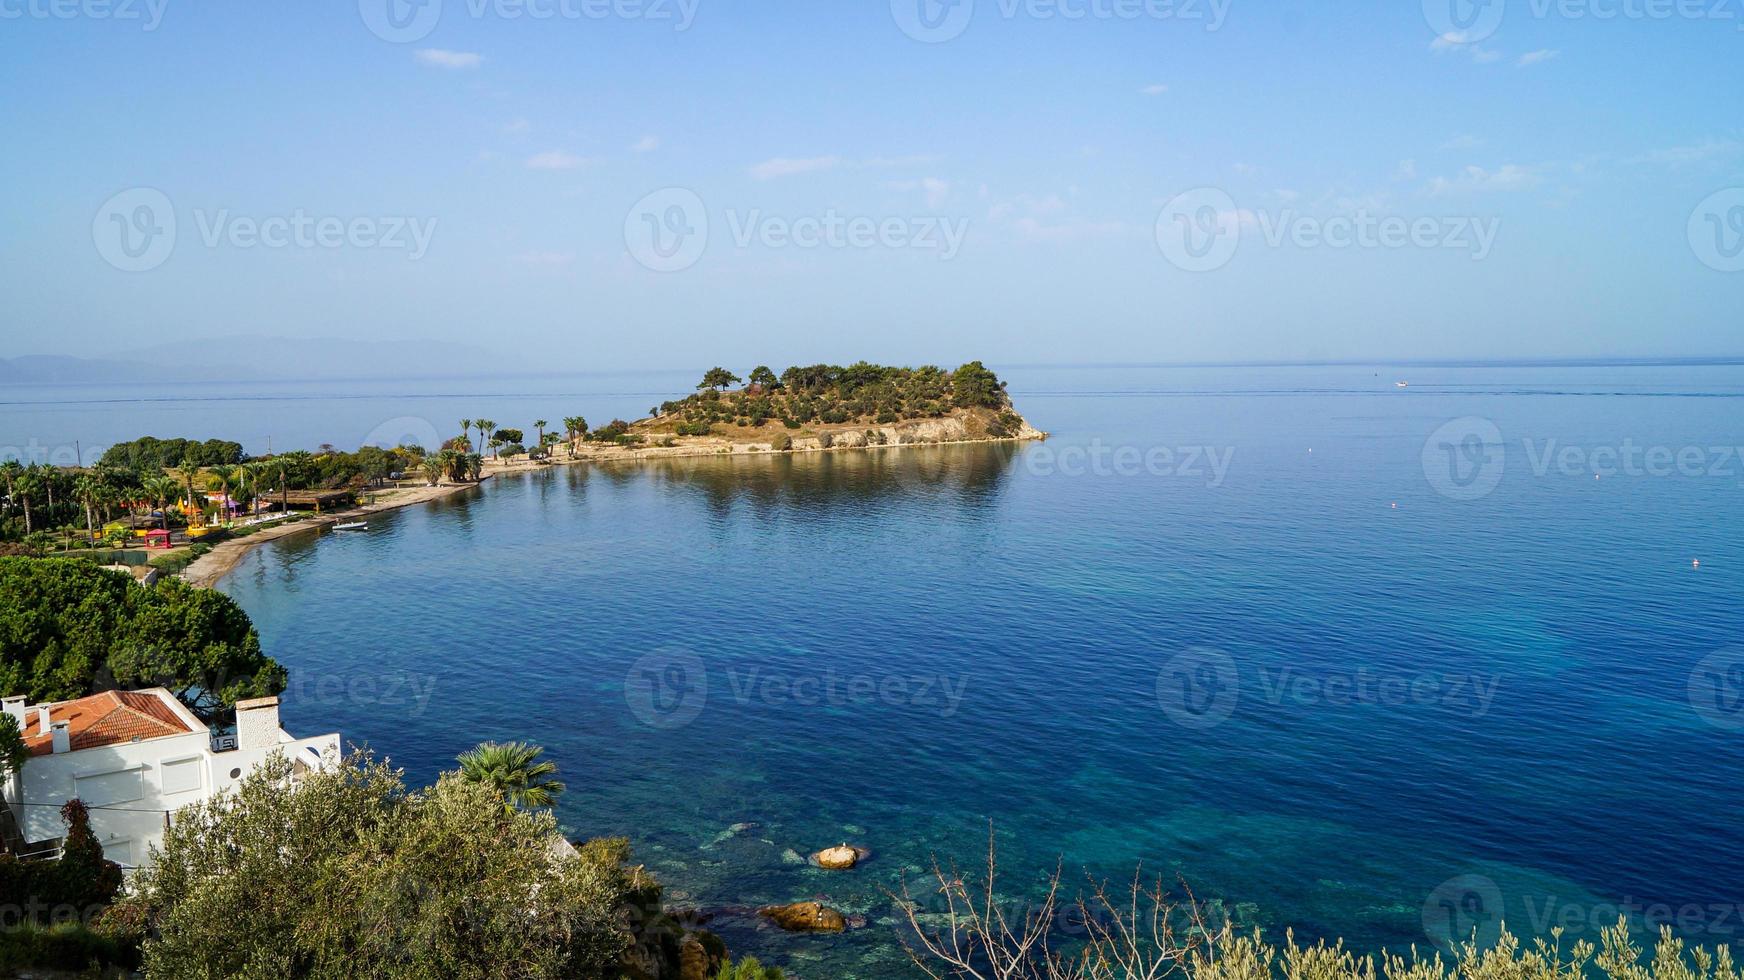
pixel 15 706
pixel 42 721
pixel 257 724
pixel 63 741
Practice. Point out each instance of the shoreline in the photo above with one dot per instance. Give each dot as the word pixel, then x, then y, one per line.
pixel 209 569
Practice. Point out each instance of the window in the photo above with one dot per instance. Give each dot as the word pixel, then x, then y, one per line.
pixel 119 851
pixel 110 787
pixel 181 776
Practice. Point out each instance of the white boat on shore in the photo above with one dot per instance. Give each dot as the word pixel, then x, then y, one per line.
pixel 353 526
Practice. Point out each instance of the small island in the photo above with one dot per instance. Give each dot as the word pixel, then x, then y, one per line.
pixel 817 408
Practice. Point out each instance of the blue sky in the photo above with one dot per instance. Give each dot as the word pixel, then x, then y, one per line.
pixel 1572 169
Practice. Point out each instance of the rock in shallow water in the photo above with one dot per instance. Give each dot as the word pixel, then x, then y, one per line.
pixel 839 858
pixel 805 917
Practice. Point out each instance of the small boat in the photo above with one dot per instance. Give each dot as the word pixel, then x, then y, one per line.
pixel 1401 384
pixel 354 526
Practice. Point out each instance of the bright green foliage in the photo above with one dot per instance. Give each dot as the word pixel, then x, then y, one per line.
pixel 13 753
pixel 149 453
pixel 349 874
pixel 749 969
pixel 718 378
pixel 69 628
pixel 834 395
pixel 515 771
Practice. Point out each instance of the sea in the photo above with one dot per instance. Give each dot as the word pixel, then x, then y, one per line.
pixel 1387 654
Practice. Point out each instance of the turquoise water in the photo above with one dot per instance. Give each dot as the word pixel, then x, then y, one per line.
pixel 1314 678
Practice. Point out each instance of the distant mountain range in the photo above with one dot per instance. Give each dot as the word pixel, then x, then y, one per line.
pixel 252 359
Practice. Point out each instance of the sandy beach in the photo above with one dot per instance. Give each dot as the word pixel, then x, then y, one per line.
pixel 210 568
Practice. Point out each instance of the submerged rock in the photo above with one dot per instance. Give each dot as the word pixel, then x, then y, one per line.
pixel 805 917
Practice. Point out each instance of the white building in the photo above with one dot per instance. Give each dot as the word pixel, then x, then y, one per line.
pixel 134 758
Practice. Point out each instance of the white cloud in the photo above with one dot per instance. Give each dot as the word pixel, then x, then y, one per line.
pixel 555 160
pixel 1537 57
pixel 1465 44
pixel 451 60
pixel 1510 177
pixel 937 189
pixel 1153 90
pixel 1708 151
pixel 647 144
pixel 785 167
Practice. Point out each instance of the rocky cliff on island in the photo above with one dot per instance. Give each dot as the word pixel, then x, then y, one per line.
pixel 817 408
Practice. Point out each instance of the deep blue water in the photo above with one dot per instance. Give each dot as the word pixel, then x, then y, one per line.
pixel 1331 693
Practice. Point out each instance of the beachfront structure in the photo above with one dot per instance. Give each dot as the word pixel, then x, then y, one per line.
pixel 134 758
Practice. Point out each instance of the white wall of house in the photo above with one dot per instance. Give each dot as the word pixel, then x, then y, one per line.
pixel 133 789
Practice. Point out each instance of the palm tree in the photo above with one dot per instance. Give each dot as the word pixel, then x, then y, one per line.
pixel 515 770
pixel 161 490
pixel 24 484
pixel 88 490
pixel 224 475
pixel 465 427
pixel 485 428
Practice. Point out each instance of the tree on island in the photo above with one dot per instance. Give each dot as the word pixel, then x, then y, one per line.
pixel 540 425
pixel 717 379
pixel 485 428
pixel 764 378
pixel 575 427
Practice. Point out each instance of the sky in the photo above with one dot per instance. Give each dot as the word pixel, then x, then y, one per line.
pixel 619 184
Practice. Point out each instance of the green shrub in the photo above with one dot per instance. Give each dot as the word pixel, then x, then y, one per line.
pixel 781 443
pixel 749 969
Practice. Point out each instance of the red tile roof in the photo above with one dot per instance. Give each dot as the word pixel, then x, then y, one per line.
pixel 110 718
